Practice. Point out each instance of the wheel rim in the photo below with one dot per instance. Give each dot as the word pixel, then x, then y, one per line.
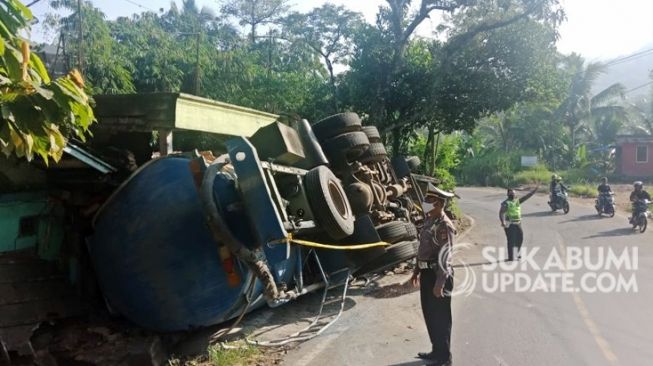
pixel 338 200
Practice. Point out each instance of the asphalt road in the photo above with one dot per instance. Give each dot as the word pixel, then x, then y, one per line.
pixel 587 319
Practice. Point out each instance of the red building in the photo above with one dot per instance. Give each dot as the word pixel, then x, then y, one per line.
pixel 635 156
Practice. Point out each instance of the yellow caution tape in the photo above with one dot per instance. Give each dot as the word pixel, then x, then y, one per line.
pixel 312 244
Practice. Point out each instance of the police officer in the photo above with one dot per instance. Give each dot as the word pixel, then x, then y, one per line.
pixel 434 274
pixel 510 217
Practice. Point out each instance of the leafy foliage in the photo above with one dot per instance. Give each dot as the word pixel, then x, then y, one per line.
pixel 37 112
pixel 103 67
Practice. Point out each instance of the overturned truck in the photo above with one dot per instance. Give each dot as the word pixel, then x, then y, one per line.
pixel 192 239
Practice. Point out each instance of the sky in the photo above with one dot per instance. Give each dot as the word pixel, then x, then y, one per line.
pixel 597 29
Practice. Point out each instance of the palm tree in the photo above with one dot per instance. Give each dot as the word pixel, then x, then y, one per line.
pixel 596 117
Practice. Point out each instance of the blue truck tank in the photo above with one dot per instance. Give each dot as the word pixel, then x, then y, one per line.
pixel 156 260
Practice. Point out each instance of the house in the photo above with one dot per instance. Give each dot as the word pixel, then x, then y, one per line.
pixel 634 156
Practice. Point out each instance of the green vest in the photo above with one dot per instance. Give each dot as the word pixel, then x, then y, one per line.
pixel 513 210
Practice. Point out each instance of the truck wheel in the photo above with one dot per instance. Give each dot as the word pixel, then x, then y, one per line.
pixel 392 232
pixel 411 231
pixel 413 162
pixel 400 166
pixel 372 133
pixel 400 252
pixel 329 203
pixel 346 146
pixel 335 125
pixel 374 154
pixel 396 253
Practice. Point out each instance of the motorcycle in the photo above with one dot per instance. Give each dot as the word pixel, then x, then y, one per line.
pixel 605 204
pixel 559 202
pixel 641 213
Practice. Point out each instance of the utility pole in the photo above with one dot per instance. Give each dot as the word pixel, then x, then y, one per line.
pixel 80 47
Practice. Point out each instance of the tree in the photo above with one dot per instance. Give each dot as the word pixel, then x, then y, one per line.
pixel 92 45
pixel 255 12
pixel 157 58
pixel 327 31
pixel 37 113
pixel 599 116
pixel 398 24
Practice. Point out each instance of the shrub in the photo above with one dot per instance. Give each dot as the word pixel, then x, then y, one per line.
pixel 493 168
pixel 447 180
pixel 583 190
pixel 536 174
pixel 580 175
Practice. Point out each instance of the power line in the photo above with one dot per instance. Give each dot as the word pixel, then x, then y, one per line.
pixel 639 87
pixel 629 58
pixel 140 5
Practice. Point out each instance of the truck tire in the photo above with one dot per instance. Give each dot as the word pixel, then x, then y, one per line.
pixel 394 254
pixel 400 166
pixel 372 133
pixel 347 146
pixel 411 231
pixel 413 162
pixel 399 252
pixel 392 232
pixel 329 203
pixel 335 125
pixel 374 154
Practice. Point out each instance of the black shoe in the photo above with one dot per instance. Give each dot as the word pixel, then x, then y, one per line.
pixel 426 356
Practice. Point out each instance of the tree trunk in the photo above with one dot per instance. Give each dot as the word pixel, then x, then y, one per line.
pixel 436 145
pixel 429 141
pixel 572 147
pixel 332 81
pixel 396 141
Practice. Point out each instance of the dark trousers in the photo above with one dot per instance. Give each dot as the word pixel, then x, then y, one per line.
pixel 437 314
pixel 515 237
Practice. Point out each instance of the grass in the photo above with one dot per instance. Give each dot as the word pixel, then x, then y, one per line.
pixel 534 175
pixel 237 354
pixel 583 190
pixel 242 355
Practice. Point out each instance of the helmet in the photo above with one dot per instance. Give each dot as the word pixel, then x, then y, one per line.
pixel 558 178
pixel 554 177
pixel 638 183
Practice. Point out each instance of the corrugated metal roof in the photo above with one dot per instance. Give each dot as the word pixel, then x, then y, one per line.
pixel 89 159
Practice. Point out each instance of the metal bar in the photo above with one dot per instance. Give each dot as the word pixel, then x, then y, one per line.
pixel 276 196
pixel 296 337
pixel 283 168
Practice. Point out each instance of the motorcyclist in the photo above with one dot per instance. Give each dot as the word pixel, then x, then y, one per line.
pixel 604 191
pixel 604 187
pixel 556 187
pixel 638 194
